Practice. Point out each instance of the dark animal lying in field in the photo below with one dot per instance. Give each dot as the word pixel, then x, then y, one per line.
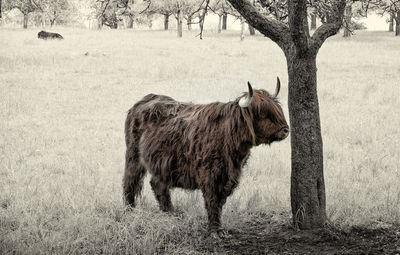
pixel 197 146
pixel 48 35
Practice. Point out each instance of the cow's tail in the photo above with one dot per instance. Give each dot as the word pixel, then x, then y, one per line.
pixel 134 170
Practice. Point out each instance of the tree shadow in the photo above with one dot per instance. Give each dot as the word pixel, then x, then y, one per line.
pixel 259 236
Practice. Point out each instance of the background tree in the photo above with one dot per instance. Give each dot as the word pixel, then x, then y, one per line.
pixel 391 21
pixel 307 180
pixel 135 11
pixel 220 8
pixel 354 9
pixel 60 11
pixel 165 8
pixel 24 6
pixel 392 7
pixel 193 8
pixel 179 9
pixel 106 13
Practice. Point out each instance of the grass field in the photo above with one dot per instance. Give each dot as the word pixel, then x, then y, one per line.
pixel 62 110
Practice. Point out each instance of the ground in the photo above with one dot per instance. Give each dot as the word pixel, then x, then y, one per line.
pixel 62 109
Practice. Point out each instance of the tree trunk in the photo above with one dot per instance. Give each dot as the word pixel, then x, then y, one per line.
pixel 313 21
pixel 391 21
pixel 189 21
pixel 200 16
pixel 242 28
pixel 179 23
pixel 166 21
pixel 25 20
pixel 252 30
pixel 52 22
pixel 347 21
pixel 397 18
pixel 43 20
pixel 100 23
pixel 130 22
pixel 307 179
pixel 308 200
pixel 224 21
pixel 219 23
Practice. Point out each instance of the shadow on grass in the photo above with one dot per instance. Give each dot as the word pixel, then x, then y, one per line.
pixel 258 236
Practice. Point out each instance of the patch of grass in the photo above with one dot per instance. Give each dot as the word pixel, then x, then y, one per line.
pixel 62 141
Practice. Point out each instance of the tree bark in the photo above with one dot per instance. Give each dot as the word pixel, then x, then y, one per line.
pixel 219 23
pixel 224 21
pixel 25 20
pixel 166 21
pixel 252 30
pixel 391 21
pixel 307 180
pixel 397 18
pixel 347 20
pixel 179 23
pixel 313 21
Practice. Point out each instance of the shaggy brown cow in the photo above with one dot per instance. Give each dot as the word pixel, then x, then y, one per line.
pixel 197 146
pixel 48 35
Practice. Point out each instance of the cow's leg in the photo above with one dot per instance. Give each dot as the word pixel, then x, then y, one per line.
pixel 163 196
pixel 134 170
pixel 133 180
pixel 214 202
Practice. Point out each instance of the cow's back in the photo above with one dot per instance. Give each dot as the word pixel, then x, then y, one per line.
pixel 150 112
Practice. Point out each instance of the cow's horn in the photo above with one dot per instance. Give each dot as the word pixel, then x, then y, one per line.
pixel 278 87
pixel 246 101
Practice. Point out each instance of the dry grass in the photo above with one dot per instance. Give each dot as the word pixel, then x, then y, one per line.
pixel 62 141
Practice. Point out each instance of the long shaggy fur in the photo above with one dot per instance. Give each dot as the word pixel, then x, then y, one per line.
pixel 195 146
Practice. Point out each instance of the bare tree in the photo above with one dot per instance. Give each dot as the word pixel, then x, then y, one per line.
pixel 168 8
pixel 224 21
pixel 25 7
pixel 59 11
pixel 391 21
pixel 392 7
pixel 135 11
pixel 307 180
pixel 220 8
pixel 193 8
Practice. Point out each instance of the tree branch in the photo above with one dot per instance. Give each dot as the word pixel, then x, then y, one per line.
pixel 275 30
pixel 203 17
pixel 298 25
pixel 330 28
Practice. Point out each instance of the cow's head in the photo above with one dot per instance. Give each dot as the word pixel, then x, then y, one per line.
pixel 268 121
